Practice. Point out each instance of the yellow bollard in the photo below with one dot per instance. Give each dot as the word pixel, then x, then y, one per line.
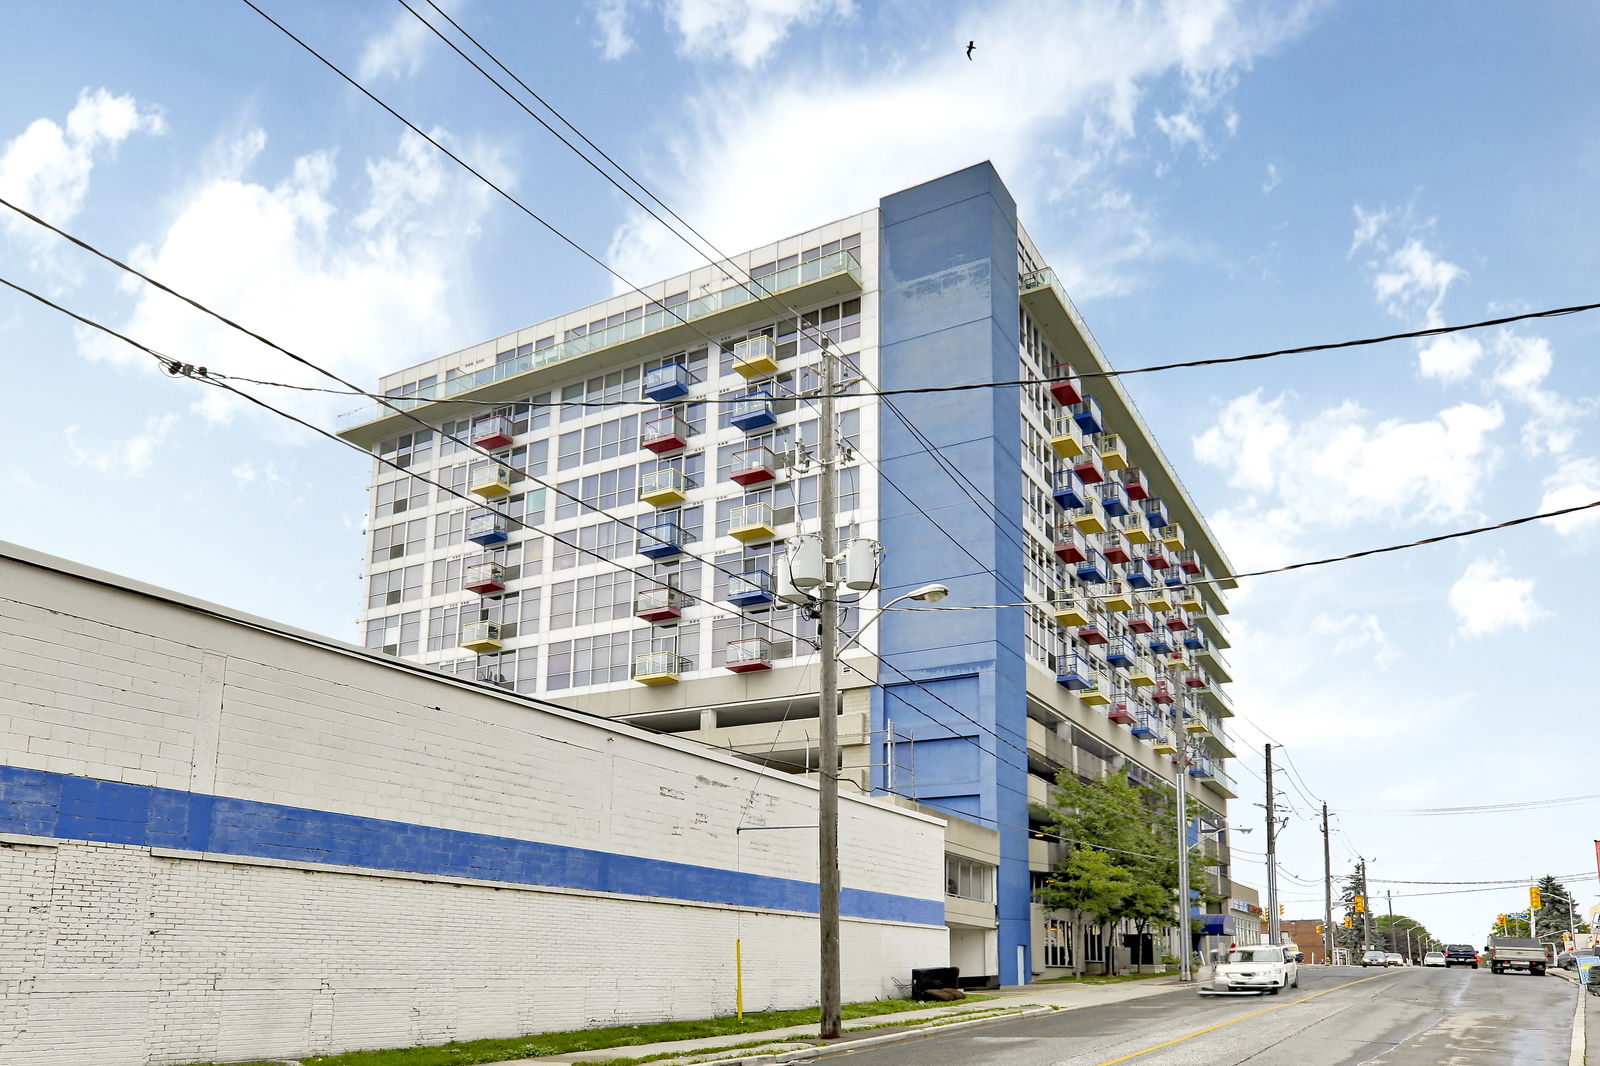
pixel 738 976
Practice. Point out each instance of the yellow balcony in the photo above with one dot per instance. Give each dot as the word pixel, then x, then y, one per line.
pixel 1112 454
pixel 1066 439
pixel 1097 695
pixel 481 636
pixel 755 357
pixel 1070 609
pixel 490 481
pixel 1189 598
pixel 659 668
pixel 752 522
pixel 1141 674
pixel 1195 725
pixel 1118 599
pixel 1164 746
pixel 1172 537
pixel 1158 599
pixel 1134 529
pixel 1089 518
pixel 664 487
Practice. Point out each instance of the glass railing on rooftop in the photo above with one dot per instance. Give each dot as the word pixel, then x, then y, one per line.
pixel 656 321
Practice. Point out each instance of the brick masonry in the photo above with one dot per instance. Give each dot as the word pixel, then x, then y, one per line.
pixel 220 841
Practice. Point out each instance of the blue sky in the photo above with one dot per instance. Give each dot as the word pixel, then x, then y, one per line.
pixel 1208 178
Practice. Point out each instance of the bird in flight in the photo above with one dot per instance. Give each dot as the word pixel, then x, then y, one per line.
pixel 970 46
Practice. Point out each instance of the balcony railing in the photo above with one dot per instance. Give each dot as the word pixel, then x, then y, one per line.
pixel 656 321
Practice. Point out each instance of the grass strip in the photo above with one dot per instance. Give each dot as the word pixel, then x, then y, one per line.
pixel 474 1052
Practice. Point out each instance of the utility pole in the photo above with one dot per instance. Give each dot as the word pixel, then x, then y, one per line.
pixel 1389 936
pixel 828 720
pixel 1366 909
pixel 1273 929
pixel 1327 892
pixel 1185 923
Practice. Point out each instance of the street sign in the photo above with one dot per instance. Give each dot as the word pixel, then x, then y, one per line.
pixel 1586 965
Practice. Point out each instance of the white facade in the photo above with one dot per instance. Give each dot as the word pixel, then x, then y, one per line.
pixel 222 839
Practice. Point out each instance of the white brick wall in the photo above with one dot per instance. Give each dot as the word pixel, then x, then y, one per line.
pixel 127 954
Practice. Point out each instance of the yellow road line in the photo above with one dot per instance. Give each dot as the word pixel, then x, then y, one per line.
pixel 1240 1018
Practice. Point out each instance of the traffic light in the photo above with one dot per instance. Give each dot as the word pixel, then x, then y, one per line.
pixel 1360 905
pixel 1319 928
pixel 1349 922
pixel 1281 909
pixel 1500 920
pixel 1534 903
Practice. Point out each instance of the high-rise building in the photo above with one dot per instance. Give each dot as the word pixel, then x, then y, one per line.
pixel 635 469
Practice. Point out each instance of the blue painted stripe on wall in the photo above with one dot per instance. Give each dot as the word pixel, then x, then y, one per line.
pixel 63 807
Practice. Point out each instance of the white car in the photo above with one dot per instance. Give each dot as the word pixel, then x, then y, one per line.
pixel 1256 968
pixel 1433 958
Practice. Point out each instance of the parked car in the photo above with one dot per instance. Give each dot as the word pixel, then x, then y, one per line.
pixel 1394 958
pixel 1460 955
pixel 1433 958
pixel 1256 968
pixel 1567 960
pixel 1374 958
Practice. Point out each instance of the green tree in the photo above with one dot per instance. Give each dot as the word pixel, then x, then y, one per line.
pixel 1123 859
pixel 1391 933
pixel 1352 940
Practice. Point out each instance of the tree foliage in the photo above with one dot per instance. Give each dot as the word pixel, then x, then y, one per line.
pixel 1550 921
pixel 1123 857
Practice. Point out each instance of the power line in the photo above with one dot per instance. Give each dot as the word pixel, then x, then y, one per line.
pixel 1491 808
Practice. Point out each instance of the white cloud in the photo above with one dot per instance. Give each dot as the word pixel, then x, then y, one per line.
pixel 1335 469
pixel 1053 97
pixel 745 31
pixel 611 16
pixel 1273 178
pixel 130 457
pixel 1450 357
pixel 1487 599
pixel 358 288
pixel 398 51
pixel 46 168
pixel 1574 483
pixel 1409 278
pixel 1354 632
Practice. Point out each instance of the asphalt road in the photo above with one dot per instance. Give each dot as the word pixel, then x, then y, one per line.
pixel 1339 1016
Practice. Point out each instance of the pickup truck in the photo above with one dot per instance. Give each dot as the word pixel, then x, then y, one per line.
pixel 1516 953
pixel 1461 955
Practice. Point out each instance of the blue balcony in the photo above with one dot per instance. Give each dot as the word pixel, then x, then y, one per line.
pixel 1068 491
pixel 1074 672
pixel 662 540
pixel 1155 512
pixel 667 382
pixel 1136 574
pixel 750 589
pixel 1120 653
pixel 1086 413
pixel 1093 569
pixel 1163 641
pixel 487 527
pixel 752 411
pixel 1113 499
pixel 1194 640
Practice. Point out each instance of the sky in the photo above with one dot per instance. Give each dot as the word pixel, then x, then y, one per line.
pixel 1207 178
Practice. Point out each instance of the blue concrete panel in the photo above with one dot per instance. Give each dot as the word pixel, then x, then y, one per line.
pixel 949 315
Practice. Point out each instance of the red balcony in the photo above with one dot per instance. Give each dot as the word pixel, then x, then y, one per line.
pixel 493 433
pixel 748 655
pixel 665 433
pixel 661 604
pixel 1092 635
pixel 754 466
pixel 1063 386
pixel 484 577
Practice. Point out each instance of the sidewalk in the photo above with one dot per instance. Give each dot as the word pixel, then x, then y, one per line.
pixel 800 1042
pixel 1585 1016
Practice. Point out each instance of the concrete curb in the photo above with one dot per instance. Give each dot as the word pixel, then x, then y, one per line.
pixel 844 1047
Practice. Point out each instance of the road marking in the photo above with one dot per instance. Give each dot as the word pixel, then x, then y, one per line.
pixel 1242 1017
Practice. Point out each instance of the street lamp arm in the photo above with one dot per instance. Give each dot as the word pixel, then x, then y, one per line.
pixel 931 593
